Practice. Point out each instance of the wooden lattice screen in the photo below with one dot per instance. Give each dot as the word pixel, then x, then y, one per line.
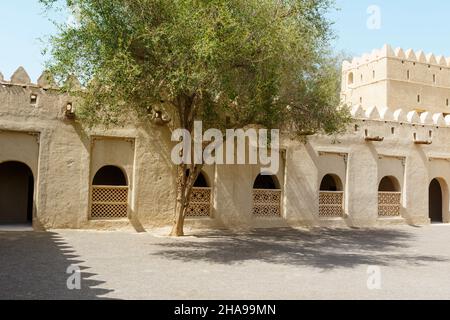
pixel 266 203
pixel 331 204
pixel 389 204
pixel 200 204
pixel 109 202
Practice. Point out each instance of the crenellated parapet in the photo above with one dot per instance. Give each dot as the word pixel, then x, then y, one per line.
pixel 401 116
pixel 40 99
pixel 408 55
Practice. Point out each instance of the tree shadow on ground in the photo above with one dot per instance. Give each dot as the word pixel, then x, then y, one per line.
pixel 33 265
pixel 319 248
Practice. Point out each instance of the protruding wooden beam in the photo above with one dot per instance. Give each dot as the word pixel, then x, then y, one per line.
pixel 367 137
pixel 375 139
pixel 423 142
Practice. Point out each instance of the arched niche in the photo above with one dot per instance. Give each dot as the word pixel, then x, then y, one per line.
pixel 331 182
pixel 110 176
pixel 389 184
pixel 267 182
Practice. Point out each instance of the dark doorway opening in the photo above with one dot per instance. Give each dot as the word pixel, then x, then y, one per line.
pixel 435 202
pixel 16 193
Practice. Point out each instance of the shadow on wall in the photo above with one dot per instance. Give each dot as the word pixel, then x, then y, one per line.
pixel 320 248
pixel 33 265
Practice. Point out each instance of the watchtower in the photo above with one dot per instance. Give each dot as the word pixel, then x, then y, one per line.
pixel 398 79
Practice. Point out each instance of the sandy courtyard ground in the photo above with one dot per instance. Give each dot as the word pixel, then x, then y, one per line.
pixel 409 263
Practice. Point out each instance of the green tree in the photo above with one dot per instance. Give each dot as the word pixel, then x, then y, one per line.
pixel 228 63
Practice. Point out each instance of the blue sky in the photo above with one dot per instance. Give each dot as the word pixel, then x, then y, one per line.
pixel 417 24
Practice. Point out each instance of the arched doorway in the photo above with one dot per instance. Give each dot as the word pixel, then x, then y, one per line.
pixel 266 196
pixel 200 204
pixel 109 194
pixel 435 201
pixel 16 193
pixel 389 197
pixel 331 196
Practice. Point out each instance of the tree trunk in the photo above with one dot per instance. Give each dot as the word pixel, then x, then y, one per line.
pixel 185 184
pixel 178 227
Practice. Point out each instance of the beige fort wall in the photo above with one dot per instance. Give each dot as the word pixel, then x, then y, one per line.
pixel 362 164
pixel 64 160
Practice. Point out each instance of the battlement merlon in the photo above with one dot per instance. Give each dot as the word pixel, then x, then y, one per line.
pixel 21 78
pixel 398 79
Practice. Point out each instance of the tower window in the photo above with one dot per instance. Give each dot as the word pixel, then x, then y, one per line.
pixel 446 102
pixel 350 78
pixel 418 98
pixel 393 130
pixel 360 100
pixel 33 99
pixel 373 74
pixel 407 75
pixel 434 78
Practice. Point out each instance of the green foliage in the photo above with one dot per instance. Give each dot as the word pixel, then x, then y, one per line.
pixel 226 62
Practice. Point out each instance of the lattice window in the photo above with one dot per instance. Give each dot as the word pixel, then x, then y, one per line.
pixel 266 203
pixel 389 204
pixel 200 204
pixel 331 204
pixel 109 202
